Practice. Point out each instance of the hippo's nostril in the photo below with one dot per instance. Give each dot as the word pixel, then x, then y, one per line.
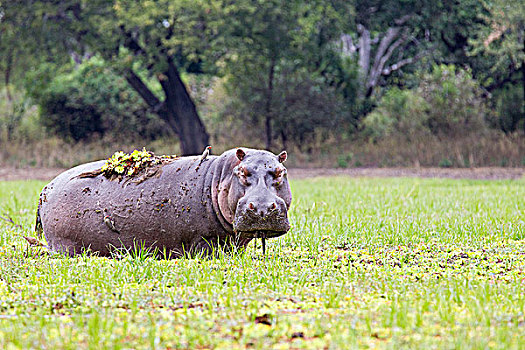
pixel 273 206
pixel 251 206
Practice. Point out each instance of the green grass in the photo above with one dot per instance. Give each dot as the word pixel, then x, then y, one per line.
pixel 379 263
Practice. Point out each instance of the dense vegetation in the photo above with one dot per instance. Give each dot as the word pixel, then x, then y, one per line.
pixel 296 74
pixel 368 263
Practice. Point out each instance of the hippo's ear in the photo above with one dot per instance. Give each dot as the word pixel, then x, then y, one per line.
pixel 282 156
pixel 240 154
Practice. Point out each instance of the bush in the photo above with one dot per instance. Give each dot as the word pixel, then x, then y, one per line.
pixel 401 112
pixel 456 104
pixel 448 102
pixel 18 119
pixel 510 108
pixel 445 163
pixel 92 100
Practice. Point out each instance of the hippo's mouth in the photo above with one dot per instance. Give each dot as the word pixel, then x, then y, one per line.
pixel 268 229
pixel 261 233
pixel 254 226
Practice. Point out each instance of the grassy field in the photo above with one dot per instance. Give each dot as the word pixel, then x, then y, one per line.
pixel 369 263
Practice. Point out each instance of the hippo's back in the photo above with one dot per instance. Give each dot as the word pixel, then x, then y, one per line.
pixel 166 210
pixel 67 176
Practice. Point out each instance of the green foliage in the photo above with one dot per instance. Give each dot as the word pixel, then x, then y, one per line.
pixel 130 164
pixel 28 38
pixel 448 102
pixel 345 160
pixel 91 100
pixel 400 112
pixel 11 113
pixel 445 163
pixel 188 31
pixel 342 161
pixel 378 263
pixel 281 60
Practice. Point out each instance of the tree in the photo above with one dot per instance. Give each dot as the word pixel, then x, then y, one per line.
pixel 393 40
pixel 387 37
pixel 161 37
pixel 261 47
pixel 279 62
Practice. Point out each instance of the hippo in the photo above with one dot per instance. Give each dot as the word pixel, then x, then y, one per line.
pixel 192 205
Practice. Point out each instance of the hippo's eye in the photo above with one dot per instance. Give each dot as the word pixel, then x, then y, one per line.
pixel 277 173
pixel 243 173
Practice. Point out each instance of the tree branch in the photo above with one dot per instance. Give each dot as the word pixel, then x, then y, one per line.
pixel 385 49
pixel 398 65
pixel 136 82
pixel 143 90
pixel 509 78
pixel 389 37
pixel 402 20
pixel 391 40
pixel 378 66
pixel 131 43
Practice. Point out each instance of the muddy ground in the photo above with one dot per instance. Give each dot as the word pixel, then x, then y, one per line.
pixel 492 173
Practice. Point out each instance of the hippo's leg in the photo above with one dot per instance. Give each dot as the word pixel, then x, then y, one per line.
pixel 64 246
pixel 38 226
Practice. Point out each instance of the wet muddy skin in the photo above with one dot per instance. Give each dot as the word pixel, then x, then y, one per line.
pixel 190 206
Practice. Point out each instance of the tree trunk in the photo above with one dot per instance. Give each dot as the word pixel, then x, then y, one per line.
pixel 182 114
pixel 371 69
pixel 284 139
pixel 364 58
pixel 268 121
pixel 7 76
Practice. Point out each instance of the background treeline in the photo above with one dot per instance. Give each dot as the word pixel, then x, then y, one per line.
pixel 338 83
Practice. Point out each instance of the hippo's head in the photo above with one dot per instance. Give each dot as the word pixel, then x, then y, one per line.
pixel 257 199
